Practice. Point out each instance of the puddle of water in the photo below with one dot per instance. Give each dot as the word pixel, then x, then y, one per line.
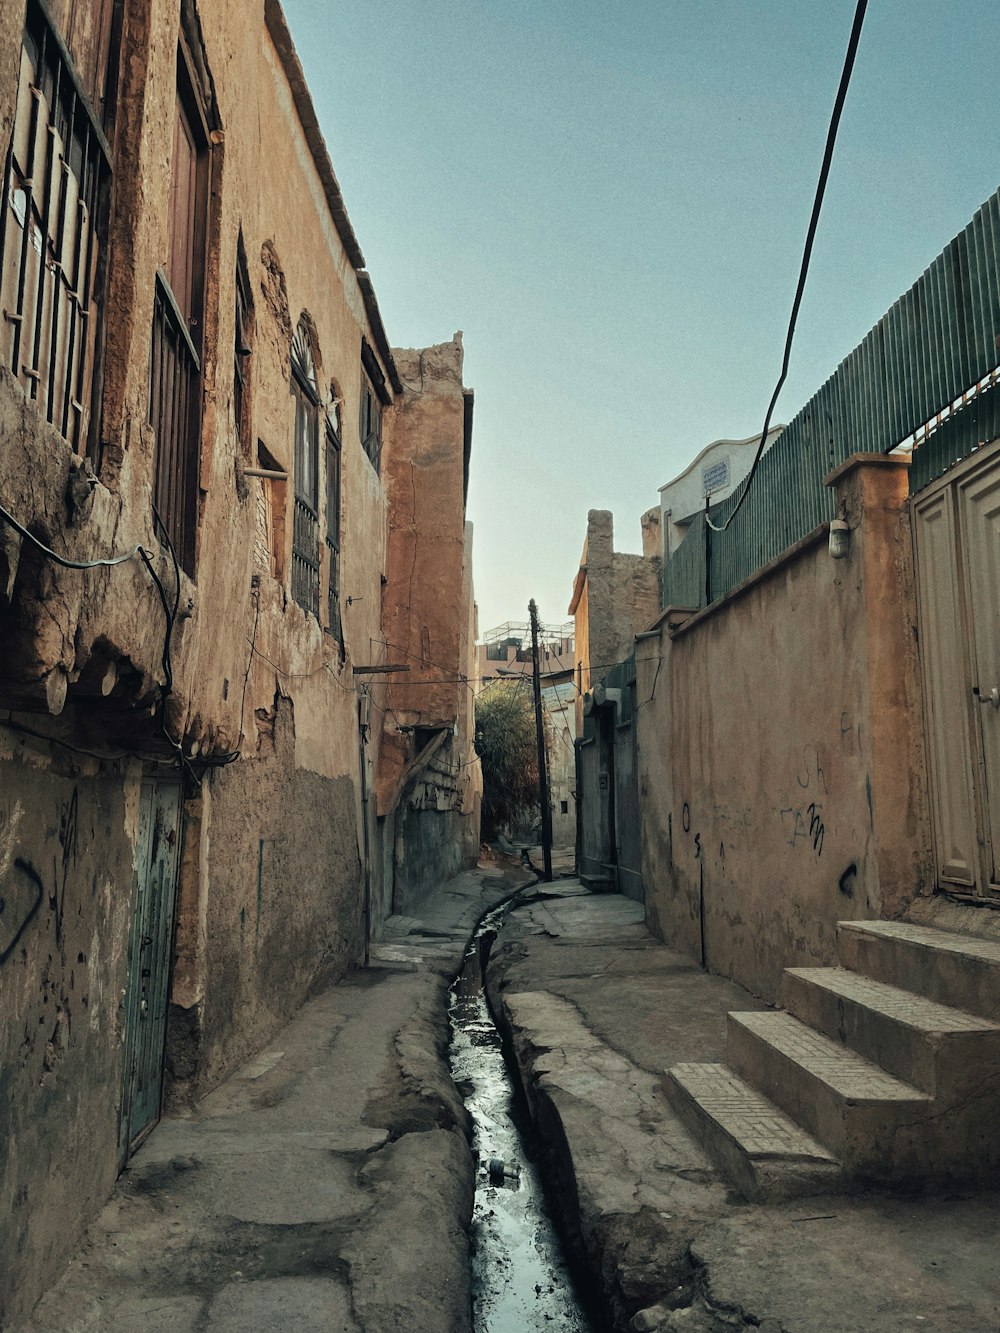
pixel 520 1278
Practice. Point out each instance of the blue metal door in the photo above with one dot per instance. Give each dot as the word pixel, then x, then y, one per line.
pixel 156 863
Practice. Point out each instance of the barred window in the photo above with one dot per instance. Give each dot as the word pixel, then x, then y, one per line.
pixel 53 220
pixel 333 473
pixel 178 319
pixel 242 349
pixel 305 524
pixel 373 395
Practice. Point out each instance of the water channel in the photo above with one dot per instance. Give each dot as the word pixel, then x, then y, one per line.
pixel 520 1277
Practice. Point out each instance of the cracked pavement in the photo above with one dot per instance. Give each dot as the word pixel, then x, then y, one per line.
pixel 597 1010
pixel 326 1185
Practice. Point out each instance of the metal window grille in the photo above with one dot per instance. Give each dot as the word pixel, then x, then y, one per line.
pixel 305 557
pixel 371 424
pixel 175 375
pixel 241 352
pixel 175 407
pixel 305 522
pixel 333 526
pixel 53 221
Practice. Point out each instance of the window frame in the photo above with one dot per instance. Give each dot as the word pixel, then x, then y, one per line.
pixel 374 396
pixel 176 378
pixel 243 336
pixel 304 389
pixel 67 371
pixel 334 460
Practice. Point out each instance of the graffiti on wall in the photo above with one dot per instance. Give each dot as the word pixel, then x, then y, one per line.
pixel 804 824
pixel 23 887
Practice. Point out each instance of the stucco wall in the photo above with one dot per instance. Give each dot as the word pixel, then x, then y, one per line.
pixel 67 832
pixel 431 808
pixel 251 669
pixel 780 755
pixel 277 834
pixel 616 595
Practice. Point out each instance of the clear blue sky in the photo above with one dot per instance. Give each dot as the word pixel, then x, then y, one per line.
pixel 610 201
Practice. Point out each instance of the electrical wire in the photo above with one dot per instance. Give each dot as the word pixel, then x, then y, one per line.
pixel 104 562
pixel 831 139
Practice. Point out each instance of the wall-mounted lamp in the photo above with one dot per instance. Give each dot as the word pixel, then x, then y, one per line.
pixel 840 539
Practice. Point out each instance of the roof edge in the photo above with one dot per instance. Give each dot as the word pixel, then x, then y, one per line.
pixel 750 439
pixel 277 27
pixel 378 329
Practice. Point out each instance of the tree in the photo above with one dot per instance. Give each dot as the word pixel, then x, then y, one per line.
pixel 505 742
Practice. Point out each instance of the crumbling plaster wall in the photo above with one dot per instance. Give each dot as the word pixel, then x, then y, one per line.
pixel 284 915
pixel 617 596
pixel 424 616
pixel 249 948
pixel 429 625
pixel 781 770
pixel 67 832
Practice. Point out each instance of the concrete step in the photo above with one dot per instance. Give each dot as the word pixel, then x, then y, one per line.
pixel 958 970
pixel 852 1106
pixel 764 1154
pixel 932 1046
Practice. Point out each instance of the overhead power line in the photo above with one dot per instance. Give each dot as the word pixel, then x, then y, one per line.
pixel 824 172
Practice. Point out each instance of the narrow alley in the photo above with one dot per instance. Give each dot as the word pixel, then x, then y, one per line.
pixel 450 882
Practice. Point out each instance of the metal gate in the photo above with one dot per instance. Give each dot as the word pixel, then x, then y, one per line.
pixel 957 538
pixel 156 863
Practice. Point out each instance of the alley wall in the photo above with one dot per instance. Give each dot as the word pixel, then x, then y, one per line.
pixel 780 753
pixel 204 668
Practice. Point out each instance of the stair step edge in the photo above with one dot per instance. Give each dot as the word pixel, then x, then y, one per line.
pixel 929 1016
pixel 927 937
pixel 747 1117
pixel 845 1072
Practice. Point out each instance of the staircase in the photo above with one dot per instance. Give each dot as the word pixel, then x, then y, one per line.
pixel 884 1070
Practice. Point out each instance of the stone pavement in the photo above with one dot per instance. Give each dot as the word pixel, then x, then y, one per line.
pixel 327 1185
pixel 598 1010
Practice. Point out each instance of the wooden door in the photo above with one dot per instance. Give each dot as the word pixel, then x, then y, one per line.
pixel 150 944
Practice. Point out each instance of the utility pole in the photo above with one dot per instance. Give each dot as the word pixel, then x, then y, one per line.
pixel 543 776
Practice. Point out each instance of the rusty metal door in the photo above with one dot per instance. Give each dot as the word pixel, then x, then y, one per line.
pixel 957 544
pixel 157 858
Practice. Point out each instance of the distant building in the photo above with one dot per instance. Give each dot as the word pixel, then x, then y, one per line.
pixel 505 652
pixel 714 473
pixel 615 595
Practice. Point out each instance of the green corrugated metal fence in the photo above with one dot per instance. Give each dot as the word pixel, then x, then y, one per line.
pixel 936 342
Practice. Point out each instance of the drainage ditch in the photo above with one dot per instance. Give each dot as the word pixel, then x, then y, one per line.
pixel 521 1280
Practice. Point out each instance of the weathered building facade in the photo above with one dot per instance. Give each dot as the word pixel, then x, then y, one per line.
pixel 817 760
pixel 197 403
pixel 428 782
pixel 615 596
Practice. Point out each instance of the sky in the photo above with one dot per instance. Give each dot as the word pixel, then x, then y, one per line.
pixel 610 201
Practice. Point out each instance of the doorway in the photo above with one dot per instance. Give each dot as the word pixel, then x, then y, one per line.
pixel 157 858
pixel 957 551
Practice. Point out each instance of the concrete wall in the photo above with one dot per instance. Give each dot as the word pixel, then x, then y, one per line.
pixel 781 769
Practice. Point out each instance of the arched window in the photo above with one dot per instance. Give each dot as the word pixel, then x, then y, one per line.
pixel 305 529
